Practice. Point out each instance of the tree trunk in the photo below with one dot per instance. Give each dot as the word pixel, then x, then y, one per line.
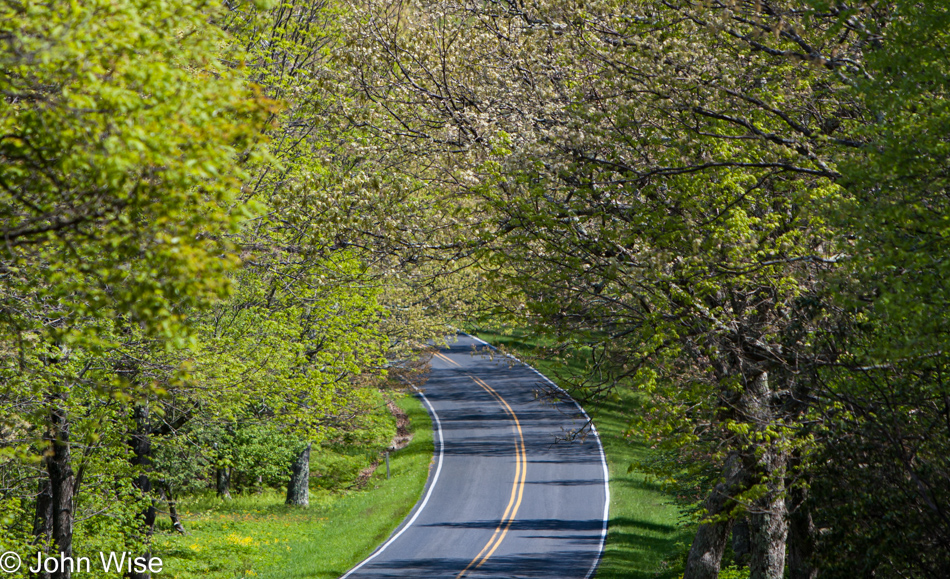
pixel 768 518
pixel 705 554
pixel 298 491
pixel 173 515
pixel 801 537
pixel 62 485
pixel 768 533
pixel 166 491
pixel 141 445
pixel 741 547
pixel 43 521
pixel 223 482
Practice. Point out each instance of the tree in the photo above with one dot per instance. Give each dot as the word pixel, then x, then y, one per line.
pixel 880 493
pixel 124 142
pixel 161 263
pixel 306 294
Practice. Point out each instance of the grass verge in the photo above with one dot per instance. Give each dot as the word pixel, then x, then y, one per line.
pixel 644 532
pixel 258 536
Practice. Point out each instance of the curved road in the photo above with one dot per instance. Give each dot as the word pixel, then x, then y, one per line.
pixel 507 496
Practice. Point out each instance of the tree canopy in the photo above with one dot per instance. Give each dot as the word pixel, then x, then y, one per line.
pixel 223 223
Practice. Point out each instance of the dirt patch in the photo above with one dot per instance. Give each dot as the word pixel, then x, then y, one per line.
pixel 403 436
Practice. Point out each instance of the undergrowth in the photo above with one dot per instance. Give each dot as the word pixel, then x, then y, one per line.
pixel 256 535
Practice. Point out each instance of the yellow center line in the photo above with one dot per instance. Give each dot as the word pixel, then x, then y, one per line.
pixel 520 446
pixel 442 356
pixel 514 488
pixel 517 489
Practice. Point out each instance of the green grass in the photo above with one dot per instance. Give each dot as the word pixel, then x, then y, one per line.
pixel 644 534
pixel 258 536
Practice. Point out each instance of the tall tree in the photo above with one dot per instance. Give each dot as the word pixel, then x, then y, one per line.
pixel 881 493
pixel 123 144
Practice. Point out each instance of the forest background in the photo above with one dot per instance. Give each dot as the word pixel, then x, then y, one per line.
pixel 227 227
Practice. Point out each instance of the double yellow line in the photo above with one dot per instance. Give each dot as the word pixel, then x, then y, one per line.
pixel 445 358
pixel 517 487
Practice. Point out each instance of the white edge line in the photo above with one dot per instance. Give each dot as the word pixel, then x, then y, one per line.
pixel 603 457
pixel 425 500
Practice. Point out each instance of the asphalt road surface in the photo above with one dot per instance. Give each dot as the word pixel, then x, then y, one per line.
pixel 507 496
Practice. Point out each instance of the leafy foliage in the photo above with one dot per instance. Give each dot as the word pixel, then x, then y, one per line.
pixel 222 225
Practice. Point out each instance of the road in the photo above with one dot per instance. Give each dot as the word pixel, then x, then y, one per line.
pixel 507 496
